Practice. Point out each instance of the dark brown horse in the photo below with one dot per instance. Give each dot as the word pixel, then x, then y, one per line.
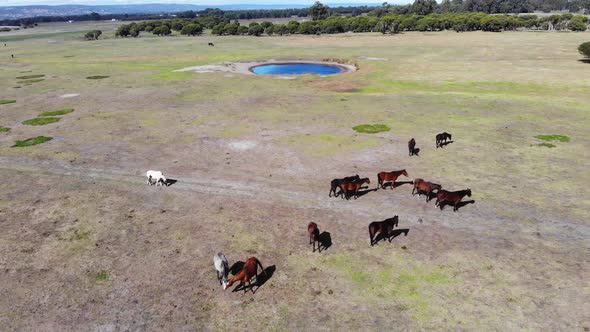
pixel 451 197
pixel 411 146
pixel 249 270
pixel 389 177
pixel 384 228
pixel 336 184
pixel 352 188
pixel 442 138
pixel 425 187
pixel 314 234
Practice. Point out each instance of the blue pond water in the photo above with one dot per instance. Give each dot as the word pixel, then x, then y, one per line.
pixel 297 69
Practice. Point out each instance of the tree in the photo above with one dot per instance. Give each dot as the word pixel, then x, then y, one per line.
pixel 162 30
pixel 584 49
pixel 270 30
pixel 122 31
pixel 231 29
pixel 242 30
pixel 577 24
pixel 318 11
pixel 255 30
pixel 92 35
pixel 423 7
pixel 134 31
pixel 292 27
pixel 191 29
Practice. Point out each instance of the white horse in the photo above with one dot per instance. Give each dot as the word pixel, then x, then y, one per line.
pixel 222 268
pixel 156 176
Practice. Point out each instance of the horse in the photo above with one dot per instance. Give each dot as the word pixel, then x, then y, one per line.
pixel 249 270
pixel 411 146
pixel 211 44
pixel 442 137
pixel 336 184
pixel 421 186
pixel 354 186
pixel 314 235
pixel 452 197
pixel 221 267
pixel 389 177
pixel 156 176
pixel 384 228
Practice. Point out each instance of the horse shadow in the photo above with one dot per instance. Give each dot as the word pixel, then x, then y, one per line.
pixel 237 267
pixel 443 144
pixel 325 240
pixel 459 205
pixel 584 60
pixel 389 237
pixel 396 184
pixel 170 182
pixel 361 193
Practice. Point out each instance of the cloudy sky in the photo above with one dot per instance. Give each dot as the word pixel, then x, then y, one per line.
pixel 195 2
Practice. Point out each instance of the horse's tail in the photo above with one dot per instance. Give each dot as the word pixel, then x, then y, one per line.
pixel 379 180
pixel 370 235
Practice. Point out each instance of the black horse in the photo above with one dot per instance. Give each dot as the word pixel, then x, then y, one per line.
pixel 442 138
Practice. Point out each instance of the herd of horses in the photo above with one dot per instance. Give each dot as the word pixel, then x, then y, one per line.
pixel 347 187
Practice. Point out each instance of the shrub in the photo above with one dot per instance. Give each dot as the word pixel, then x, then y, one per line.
pixel 577 24
pixel 191 29
pixel 92 35
pixel 4 129
pixel 162 30
pixel 7 101
pixel 584 49
pixel 26 77
pixel 97 77
pixel 371 128
pixel 561 138
pixel 32 141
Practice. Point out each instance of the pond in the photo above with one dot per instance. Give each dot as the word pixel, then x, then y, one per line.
pixel 297 69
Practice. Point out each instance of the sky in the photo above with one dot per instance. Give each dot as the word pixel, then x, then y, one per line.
pixel 194 2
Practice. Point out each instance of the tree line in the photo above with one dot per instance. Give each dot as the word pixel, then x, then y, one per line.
pixel 387 24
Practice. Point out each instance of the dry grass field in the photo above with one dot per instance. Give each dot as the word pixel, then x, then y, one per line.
pixel 85 244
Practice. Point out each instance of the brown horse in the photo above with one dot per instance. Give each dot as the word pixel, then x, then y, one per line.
pixel 389 177
pixel 336 184
pixel 314 235
pixel 352 188
pixel 451 197
pixel 421 186
pixel 384 228
pixel 411 146
pixel 249 270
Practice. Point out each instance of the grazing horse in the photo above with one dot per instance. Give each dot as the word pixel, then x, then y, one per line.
pixel 211 44
pixel 156 176
pixel 389 177
pixel 384 228
pixel 249 270
pixel 411 146
pixel 222 268
pixel 442 138
pixel 451 197
pixel 421 186
pixel 314 235
pixel 336 184
pixel 352 188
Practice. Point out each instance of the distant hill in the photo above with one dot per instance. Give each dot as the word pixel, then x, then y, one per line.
pixel 15 12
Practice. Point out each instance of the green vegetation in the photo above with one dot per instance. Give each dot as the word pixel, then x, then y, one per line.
pixel 547 145
pixel 97 77
pixel 31 81
pixel 32 141
pixel 7 101
pixel 56 113
pixel 92 35
pixel 102 276
pixel 4 129
pixel 584 49
pixel 28 77
pixel 371 128
pixel 40 121
pixel 560 138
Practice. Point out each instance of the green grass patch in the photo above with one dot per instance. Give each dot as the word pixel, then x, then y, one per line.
pixel 4 129
pixel 102 276
pixel 65 35
pixel 55 113
pixel 26 77
pixel 97 77
pixel 32 141
pixel 31 81
pixel 371 128
pixel 547 145
pixel 40 121
pixel 7 101
pixel 561 138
